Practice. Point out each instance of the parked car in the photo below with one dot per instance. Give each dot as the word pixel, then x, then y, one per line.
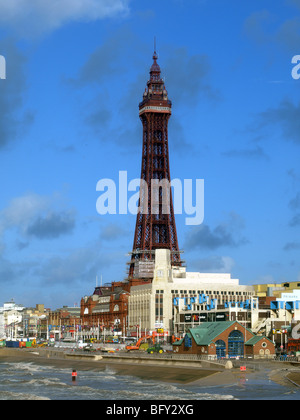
pixel 89 348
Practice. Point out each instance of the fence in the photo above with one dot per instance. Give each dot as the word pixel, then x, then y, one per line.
pixel 171 356
pixel 213 359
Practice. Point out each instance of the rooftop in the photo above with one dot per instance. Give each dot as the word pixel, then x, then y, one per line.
pixel 205 333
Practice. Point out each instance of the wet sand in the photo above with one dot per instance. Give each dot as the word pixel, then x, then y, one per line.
pixel 175 374
pixel 294 377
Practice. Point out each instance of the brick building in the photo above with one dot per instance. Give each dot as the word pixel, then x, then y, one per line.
pixel 224 339
pixel 61 323
pixel 106 308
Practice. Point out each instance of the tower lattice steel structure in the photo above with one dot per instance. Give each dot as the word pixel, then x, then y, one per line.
pixel 155 222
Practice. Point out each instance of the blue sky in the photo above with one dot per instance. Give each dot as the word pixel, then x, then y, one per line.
pixel 76 72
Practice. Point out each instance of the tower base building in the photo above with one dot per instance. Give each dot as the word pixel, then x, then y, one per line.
pixel 174 291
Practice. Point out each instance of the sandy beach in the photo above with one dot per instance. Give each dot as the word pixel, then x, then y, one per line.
pixel 176 374
pixel 287 376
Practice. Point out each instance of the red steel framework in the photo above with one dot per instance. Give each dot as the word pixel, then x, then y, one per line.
pixel 155 229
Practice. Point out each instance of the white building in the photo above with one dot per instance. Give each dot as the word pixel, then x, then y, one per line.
pixel 290 297
pixel 156 305
pixel 286 308
pixel 2 326
pixel 10 317
pixel 282 314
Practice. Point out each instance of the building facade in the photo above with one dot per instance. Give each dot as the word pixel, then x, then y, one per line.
pixel 106 311
pixel 275 289
pixel 62 323
pixel 174 293
pixel 224 340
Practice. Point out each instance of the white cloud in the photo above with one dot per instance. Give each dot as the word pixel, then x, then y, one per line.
pixel 214 264
pixel 36 215
pixel 34 17
pixel 21 210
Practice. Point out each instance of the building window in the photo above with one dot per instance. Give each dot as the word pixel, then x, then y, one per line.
pixel 220 349
pixel 235 344
pixel 187 341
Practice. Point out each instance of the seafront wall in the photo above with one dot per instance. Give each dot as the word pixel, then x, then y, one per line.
pixel 141 359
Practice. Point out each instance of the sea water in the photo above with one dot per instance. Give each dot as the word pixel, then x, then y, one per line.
pixel 29 381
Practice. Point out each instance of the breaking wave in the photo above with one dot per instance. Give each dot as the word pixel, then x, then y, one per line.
pixel 9 395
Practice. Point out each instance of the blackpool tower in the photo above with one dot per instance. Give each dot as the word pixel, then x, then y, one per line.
pixel 155 223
